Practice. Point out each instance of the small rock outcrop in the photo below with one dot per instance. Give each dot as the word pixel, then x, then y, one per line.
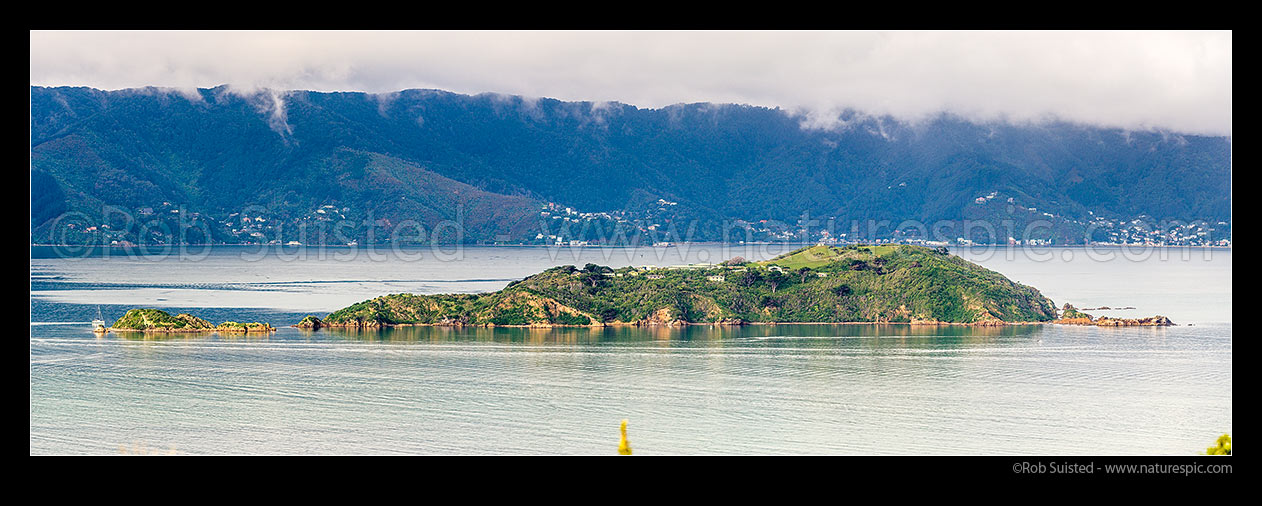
pixel 1069 312
pixel 246 328
pixel 1072 316
pixel 310 322
pixel 1154 321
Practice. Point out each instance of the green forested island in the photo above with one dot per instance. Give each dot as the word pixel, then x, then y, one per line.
pixel 818 284
pixel 155 320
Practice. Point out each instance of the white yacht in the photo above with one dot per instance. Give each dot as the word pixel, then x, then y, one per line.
pixel 98 325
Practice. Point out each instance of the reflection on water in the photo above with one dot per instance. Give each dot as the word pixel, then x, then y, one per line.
pixel 159 336
pixel 888 334
pixel 185 336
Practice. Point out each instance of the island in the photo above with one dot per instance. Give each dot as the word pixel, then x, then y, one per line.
pixel 817 284
pixel 1072 316
pixel 155 320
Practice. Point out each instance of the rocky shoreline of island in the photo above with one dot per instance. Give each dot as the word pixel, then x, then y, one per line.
pixel 312 323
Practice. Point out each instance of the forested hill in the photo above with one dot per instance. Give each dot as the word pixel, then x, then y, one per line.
pixel 493 162
pixel 819 284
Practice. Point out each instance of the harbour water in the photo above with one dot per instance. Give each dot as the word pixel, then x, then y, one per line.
pixel 758 389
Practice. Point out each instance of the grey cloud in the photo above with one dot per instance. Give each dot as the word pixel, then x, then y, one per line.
pixel 1178 81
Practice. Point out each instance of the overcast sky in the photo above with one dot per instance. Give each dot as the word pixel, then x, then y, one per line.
pixel 1178 81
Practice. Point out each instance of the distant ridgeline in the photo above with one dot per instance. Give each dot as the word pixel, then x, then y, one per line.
pixel 818 284
pixel 216 166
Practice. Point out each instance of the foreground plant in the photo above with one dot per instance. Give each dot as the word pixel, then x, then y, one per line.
pixel 1222 446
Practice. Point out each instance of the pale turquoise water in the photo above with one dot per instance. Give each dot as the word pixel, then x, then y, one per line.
pixel 796 389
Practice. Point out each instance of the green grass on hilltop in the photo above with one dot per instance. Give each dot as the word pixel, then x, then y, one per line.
pixel 818 256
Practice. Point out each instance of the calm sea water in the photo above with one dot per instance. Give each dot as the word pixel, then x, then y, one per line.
pixel 785 389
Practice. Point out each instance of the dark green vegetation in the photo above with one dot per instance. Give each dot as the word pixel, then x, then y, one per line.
pixel 154 320
pixel 490 161
pixel 830 284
